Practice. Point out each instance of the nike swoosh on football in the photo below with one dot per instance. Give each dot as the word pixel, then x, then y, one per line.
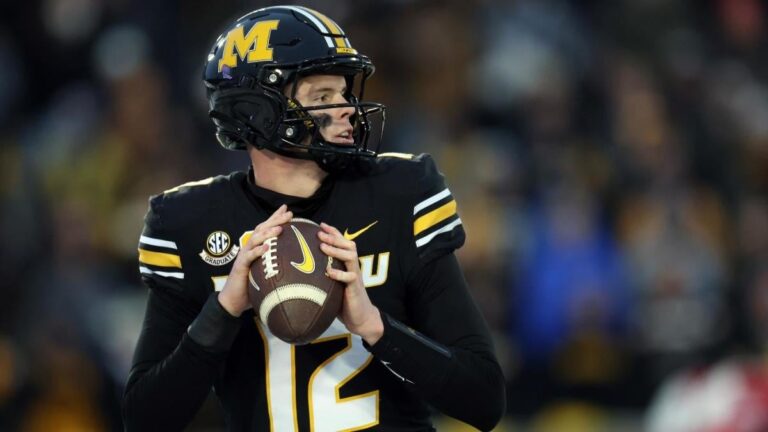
pixel 308 264
pixel 354 235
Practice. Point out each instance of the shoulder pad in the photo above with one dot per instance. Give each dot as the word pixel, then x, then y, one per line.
pixel 190 201
pixel 437 227
pixel 403 171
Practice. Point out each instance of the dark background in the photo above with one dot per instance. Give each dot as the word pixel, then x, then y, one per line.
pixel 610 160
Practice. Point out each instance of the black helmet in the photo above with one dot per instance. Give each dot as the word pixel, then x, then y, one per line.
pixel 253 61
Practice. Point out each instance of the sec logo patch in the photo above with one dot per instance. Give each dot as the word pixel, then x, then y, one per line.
pixel 218 249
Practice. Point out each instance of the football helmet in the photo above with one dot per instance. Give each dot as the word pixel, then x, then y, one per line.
pixel 255 60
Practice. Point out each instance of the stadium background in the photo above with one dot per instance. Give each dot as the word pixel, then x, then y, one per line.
pixel 610 160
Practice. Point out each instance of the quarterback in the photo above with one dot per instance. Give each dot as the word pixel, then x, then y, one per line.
pixel 286 86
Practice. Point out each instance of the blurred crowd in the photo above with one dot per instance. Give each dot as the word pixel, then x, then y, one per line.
pixel 610 160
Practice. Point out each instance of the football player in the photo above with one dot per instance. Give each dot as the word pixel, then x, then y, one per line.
pixel 286 86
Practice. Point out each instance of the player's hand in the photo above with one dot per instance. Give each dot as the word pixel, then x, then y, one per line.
pixel 358 314
pixel 234 296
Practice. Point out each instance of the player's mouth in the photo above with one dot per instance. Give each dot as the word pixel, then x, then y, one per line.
pixel 345 137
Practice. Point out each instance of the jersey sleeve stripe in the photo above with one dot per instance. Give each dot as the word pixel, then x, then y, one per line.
pixel 157 242
pixel 177 275
pixel 434 217
pixel 428 238
pixel 159 259
pixel 431 200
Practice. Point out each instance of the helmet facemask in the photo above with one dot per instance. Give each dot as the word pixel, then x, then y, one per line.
pixel 301 130
pixel 261 114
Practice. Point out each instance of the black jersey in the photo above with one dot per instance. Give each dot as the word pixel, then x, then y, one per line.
pixel 405 224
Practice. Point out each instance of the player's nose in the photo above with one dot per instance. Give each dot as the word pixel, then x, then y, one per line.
pixel 343 113
pixel 346 112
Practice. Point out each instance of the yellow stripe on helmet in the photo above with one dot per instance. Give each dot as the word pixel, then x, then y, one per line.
pixel 333 28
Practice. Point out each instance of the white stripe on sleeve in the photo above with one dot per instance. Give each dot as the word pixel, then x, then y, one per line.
pixel 426 239
pixel 431 200
pixel 176 275
pixel 157 242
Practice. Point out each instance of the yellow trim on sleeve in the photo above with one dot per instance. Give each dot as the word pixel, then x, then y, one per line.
pixel 434 217
pixel 159 258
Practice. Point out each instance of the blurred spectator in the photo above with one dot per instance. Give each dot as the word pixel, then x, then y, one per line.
pixel 731 396
pixel 573 277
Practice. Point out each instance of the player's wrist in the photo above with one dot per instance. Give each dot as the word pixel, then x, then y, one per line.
pixel 232 307
pixel 214 328
pixel 373 329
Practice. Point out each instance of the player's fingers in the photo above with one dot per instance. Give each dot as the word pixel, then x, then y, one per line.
pixel 345 277
pixel 277 218
pixel 246 257
pixel 281 215
pixel 261 234
pixel 278 214
pixel 330 229
pixel 255 253
pixel 347 256
pixel 280 210
pixel 333 237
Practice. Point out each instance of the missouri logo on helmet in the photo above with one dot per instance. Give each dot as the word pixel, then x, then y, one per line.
pixel 251 47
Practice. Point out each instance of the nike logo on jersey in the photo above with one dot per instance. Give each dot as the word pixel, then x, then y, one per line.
pixel 354 235
pixel 308 264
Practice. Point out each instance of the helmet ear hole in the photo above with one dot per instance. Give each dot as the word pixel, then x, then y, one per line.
pixel 230 141
pixel 244 115
pixel 262 118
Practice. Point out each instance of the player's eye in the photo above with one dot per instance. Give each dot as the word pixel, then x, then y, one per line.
pixel 322 98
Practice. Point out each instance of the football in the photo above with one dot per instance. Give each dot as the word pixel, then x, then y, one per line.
pixel 288 286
